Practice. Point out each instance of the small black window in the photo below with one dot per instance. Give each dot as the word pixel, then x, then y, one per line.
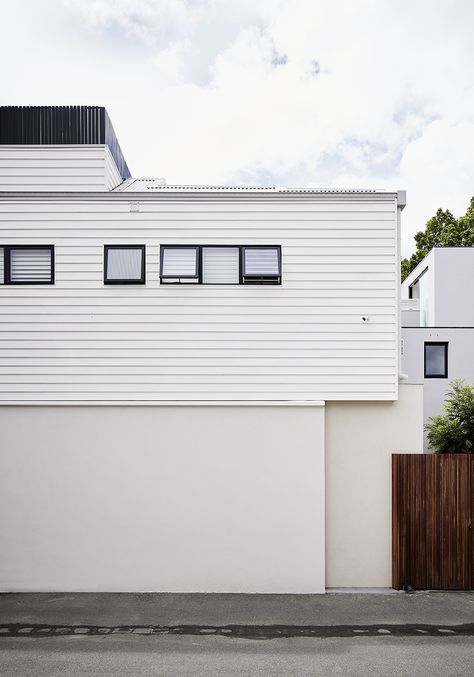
pixel 27 264
pixel 124 264
pixel 179 263
pixel 436 359
pixel 261 265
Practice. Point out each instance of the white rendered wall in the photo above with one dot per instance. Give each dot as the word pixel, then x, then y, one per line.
pixel 447 288
pixel 211 499
pixel 460 362
pixel 57 167
pixel 360 440
pixel 454 290
pixel 80 341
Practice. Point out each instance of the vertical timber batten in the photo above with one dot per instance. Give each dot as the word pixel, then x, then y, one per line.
pixel 432 510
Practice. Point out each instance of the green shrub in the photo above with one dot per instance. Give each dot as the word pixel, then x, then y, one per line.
pixel 453 431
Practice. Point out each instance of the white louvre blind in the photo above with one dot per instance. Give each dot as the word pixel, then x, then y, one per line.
pixel 179 261
pixel 124 264
pixel 30 265
pixel 2 266
pixel 261 261
pixel 220 265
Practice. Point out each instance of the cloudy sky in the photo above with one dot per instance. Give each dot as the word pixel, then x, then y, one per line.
pixel 312 93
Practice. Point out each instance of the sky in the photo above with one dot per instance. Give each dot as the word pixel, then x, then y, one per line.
pixel 294 93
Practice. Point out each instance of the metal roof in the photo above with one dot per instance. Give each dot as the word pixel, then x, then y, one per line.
pixel 139 185
pixel 159 185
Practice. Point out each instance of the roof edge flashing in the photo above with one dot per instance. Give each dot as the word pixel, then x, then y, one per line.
pixel 401 199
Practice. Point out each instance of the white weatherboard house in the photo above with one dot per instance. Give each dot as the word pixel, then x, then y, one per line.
pixel 199 385
pixel 438 323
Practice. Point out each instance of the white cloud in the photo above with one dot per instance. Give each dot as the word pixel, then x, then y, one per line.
pixel 362 93
pixel 146 20
pixel 441 166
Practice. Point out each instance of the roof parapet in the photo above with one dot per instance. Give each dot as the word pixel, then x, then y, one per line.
pixel 58 125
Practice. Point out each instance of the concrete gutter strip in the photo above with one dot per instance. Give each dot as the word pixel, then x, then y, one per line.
pixel 175 612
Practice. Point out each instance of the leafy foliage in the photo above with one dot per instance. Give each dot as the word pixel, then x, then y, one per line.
pixel 453 431
pixel 442 230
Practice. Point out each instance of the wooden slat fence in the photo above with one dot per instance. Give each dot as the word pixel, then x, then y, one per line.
pixel 432 514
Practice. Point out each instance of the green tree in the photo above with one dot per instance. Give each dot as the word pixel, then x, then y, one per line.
pixel 442 230
pixel 453 431
pixel 466 226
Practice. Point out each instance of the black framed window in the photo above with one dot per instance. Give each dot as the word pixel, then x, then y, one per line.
pixel 436 359
pixel 261 265
pixel 180 263
pixel 124 264
pixel 27 264
pixel 220 264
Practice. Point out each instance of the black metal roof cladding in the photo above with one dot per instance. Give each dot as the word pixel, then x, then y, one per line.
pixel 61 125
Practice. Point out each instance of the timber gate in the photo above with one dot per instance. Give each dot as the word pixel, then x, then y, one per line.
pixel 432 514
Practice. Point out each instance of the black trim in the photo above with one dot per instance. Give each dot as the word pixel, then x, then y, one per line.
pixel 417 279
pixel 243 279
pixel 141 247
pixel 436 343
pixel 7 249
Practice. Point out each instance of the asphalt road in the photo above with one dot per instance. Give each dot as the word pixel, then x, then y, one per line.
pixel 180 656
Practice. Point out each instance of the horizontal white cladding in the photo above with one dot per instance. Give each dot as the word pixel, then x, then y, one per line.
pixel 52 167
pixel 81 341
pixel 169 374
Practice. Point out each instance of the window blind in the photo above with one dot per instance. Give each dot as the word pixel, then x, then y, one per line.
pixel 179 262
pixel 124 264
pixel 261 261
pixel 2 265
pixel 30 265
pixel 220 265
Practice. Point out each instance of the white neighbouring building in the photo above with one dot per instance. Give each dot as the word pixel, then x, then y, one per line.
pixel 438 324
pixel 199 385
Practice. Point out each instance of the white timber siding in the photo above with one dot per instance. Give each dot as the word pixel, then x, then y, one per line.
pixel 78 341
pixel 51 167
